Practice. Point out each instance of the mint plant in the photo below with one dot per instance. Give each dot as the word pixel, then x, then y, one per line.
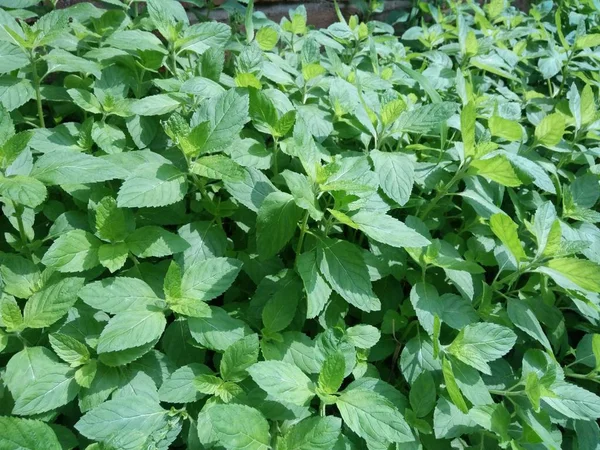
pixel 261 235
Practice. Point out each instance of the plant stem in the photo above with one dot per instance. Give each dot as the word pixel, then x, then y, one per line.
pixel 36 86
pixel 275 150
pixel 302 234
pixel 322 409
pixel 441 193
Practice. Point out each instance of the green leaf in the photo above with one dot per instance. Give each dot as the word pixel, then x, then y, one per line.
pixel 303 192
pixel 550 130
pixel 25 434
pixel 69 349
pixel 52 302
pixel 153 241
pixel 497 168
pixel 120 294
pixel 452 386
pixel 316 288
pixel 373 417
pixel 584 274
pixel 573 401
pixel 154 105
pixel 113 224
pixel 125 422
pixel 218 167
pixel 85 100
pixel 313 433
pixel 113 256
pixel 342 265
pixel 151 186
pixel 250 430
pixel 524 318
pixel 478 344
pixel 423 394
pixel 396 174
pixel 467 128
pixel 266 38
pixel 284 382
pixel 11 315
pixel 507 231
pixel 23 190
pixel 276 223
pixel 332 373
pixel 20 276
pixel 130 329
pixel 218 331
pixel 69 167
pixel 505 128
pixel 387 230
pixel 363 336
pixel 74 251
pixel 209 278
pixel 226 113
pixel 179 386
pixel 238 357
pixel 53 388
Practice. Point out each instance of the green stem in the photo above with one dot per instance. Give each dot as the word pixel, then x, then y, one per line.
pixel 322 409
pixel 275 150
pixel 23 236
pixel 441 193
pixel 302 234
pixel 36 86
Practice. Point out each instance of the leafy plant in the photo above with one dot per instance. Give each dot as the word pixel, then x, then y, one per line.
pixel 274 236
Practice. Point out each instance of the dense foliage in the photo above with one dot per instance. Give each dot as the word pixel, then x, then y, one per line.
pixel 260 235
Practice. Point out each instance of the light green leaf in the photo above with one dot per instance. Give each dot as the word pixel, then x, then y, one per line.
pixel 209 278
pixel 583 273
pixel 51 302
pixel 497 168
pixel 373 417
pixel 478 344
pixel 396 174
pixel 283 381
pixel 120 294
pixel 154 105
pixel 153 185
pixel 550 130
pixel 69 349
pixel 363 336
pixel 218 331
pixel 467 128
pixel 524 318
pixel 249 430
pixel 153 241
pixel 238 357
pixel 25 434
pixel 179 386
pixel 573 401
pixel 69 167
pixel 332 373
pixel 388 230
pixel 313 433
pixel 74 251
pixel 452 386
pixel 506 230
pixel 23 190
pixel 131 329
pixel 505 128
pixel 342 265
pixel 218 167
pixel 125 423
pixel 316 288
